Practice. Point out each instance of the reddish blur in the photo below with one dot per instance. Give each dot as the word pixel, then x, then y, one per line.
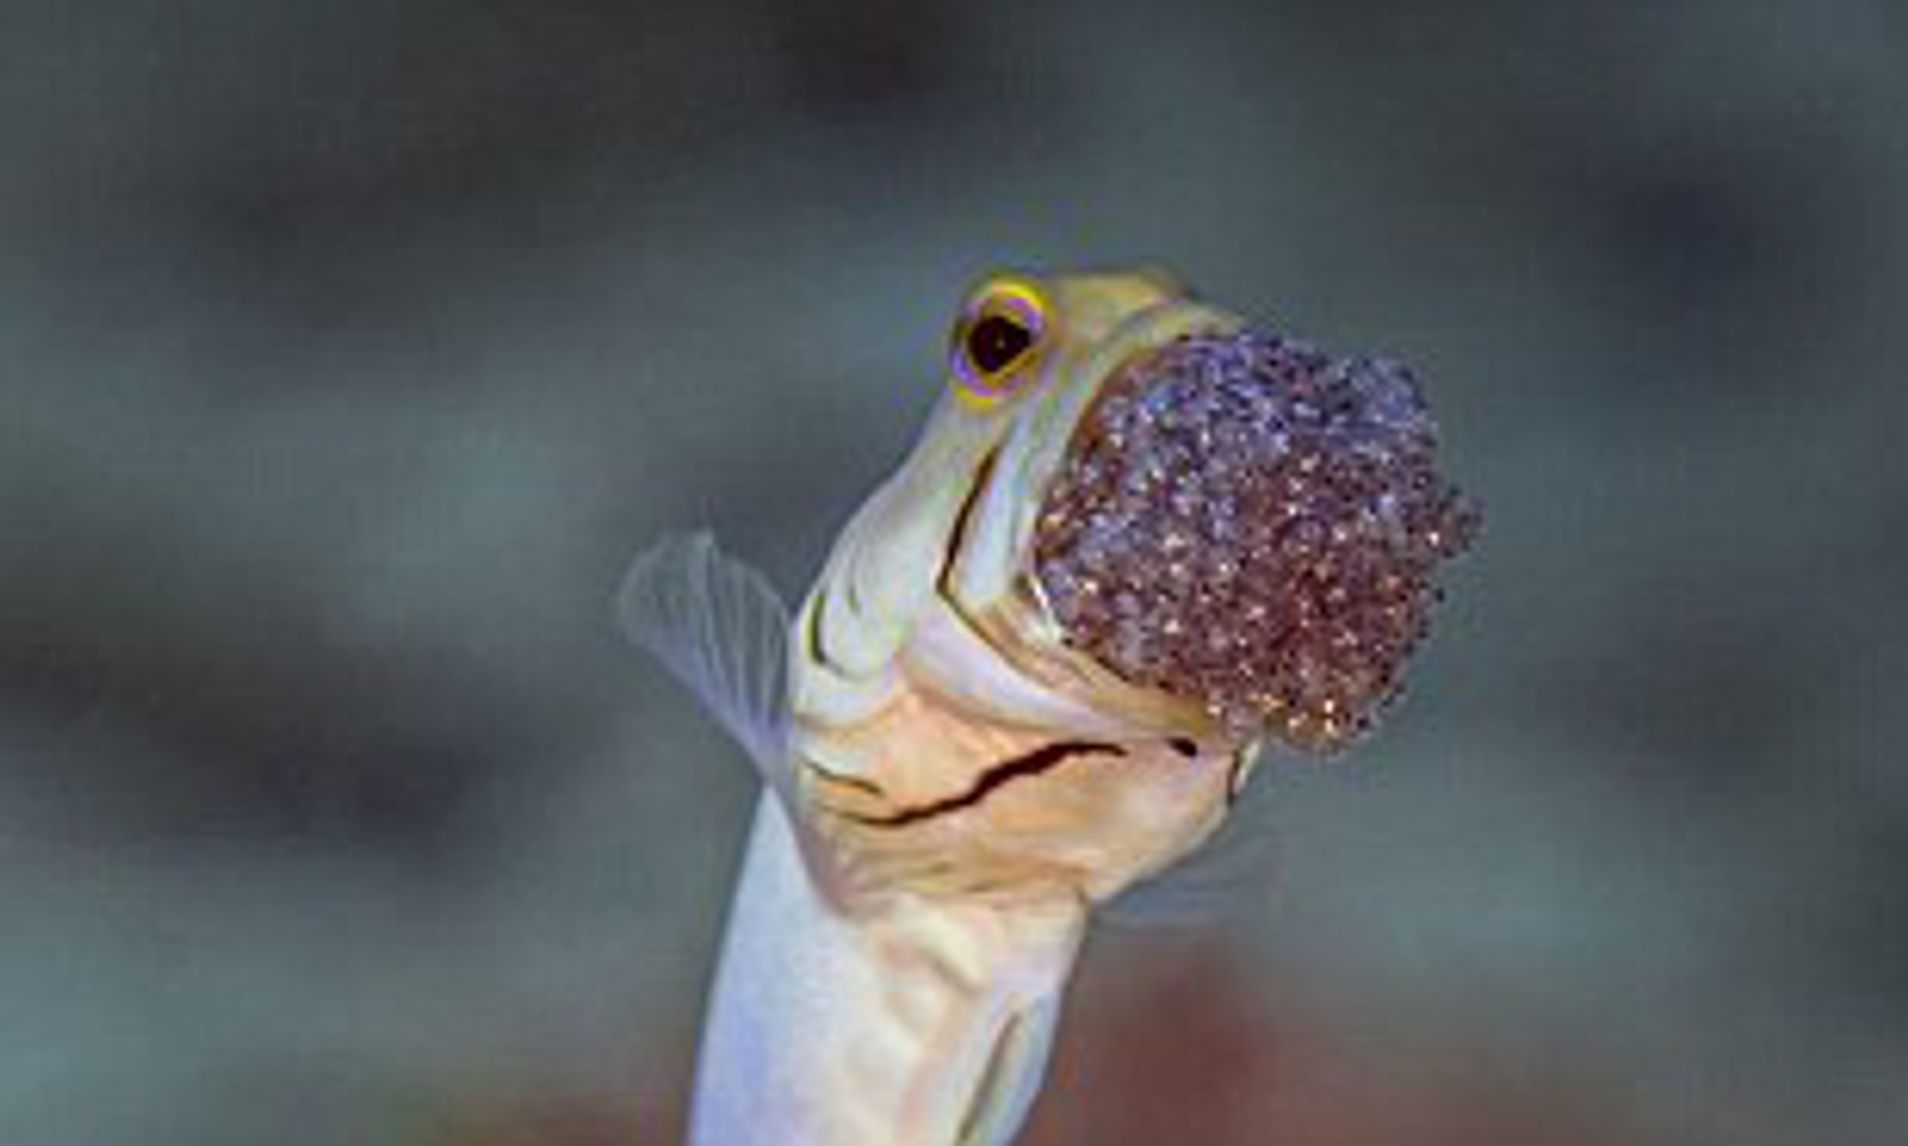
pixel 1172 1041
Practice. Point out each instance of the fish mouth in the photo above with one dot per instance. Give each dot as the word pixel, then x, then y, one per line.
pixel 1243 521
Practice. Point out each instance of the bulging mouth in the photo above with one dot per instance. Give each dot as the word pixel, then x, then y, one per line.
pixel 1243 521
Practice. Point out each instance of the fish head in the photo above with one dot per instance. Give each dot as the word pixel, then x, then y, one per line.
pixel 1136 540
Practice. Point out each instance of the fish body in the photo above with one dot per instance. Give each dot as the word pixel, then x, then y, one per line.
pixel 958 771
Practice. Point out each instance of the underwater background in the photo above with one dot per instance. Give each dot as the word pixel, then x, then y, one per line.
pixel 349 350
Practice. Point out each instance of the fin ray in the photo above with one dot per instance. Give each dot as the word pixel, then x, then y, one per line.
pixel 721 629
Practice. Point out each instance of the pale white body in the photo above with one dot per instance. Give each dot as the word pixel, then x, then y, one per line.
pixel 930 1024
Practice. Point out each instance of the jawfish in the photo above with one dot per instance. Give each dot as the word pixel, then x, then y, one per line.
pixel 1138 542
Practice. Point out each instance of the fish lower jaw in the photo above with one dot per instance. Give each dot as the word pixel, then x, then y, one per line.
pixel 932 796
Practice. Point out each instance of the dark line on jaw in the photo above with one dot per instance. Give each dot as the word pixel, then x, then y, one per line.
pixel 860 784
pixel 1041 759
pixel 812 632
pixel 957 536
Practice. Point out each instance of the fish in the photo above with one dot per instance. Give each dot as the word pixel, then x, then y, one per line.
pixel 1138 544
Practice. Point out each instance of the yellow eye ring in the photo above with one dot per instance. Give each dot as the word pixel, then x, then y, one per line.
pixel 996 339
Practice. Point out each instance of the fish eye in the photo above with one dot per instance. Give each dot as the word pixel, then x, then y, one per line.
pixel 999 333
pixel 996 342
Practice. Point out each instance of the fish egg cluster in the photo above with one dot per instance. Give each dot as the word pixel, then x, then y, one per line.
pixel 1242 520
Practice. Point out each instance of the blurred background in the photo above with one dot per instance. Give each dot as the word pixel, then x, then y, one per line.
pixel 349 350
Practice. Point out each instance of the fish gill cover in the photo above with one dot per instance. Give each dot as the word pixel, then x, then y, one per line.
pixel 1242 520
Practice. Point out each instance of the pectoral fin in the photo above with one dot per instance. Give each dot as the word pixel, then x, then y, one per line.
pixel 722 631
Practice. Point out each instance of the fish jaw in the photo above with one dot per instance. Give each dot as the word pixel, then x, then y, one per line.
pixel 1001 788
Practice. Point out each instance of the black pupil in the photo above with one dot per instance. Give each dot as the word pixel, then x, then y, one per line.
pixel 995 341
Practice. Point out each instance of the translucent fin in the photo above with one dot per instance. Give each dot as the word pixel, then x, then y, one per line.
pixel 722 630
